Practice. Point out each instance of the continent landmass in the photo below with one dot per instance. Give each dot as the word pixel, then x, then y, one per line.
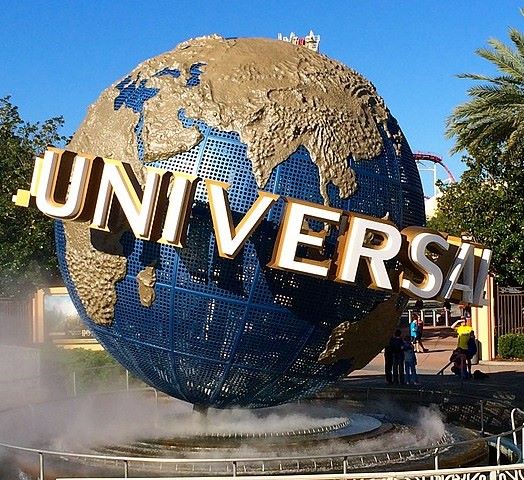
pixel 350 340
pixel 146 280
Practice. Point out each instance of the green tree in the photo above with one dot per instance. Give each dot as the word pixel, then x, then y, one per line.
pixel 490 209
pixel 27 252
pixel 488 202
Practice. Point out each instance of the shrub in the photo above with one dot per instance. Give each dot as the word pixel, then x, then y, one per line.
pixel 511 345
pixel 94 370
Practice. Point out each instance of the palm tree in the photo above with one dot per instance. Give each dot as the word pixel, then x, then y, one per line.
pixel 492 121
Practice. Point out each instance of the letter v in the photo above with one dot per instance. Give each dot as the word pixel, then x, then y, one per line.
pixel 231 239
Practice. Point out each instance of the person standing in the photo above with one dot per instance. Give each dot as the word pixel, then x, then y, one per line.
pixel 397 350
pixel 420 324
pixel 471 350
pixel 410 362
pixel 466 314
pixel 388 364
pixel 413 330
pixel 464 333
pixel 447 312
pixel 419 305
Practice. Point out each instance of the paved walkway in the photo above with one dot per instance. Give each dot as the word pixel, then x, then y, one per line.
pixel 505 379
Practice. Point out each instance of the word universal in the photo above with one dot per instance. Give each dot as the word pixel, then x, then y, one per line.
pixel 417 261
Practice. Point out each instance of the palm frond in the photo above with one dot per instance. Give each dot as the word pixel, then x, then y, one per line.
pixel 507 60
pixel 502 80
pixel 518 39
pixel 493 118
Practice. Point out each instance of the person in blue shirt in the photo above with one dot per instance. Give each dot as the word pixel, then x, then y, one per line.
pixel 416 332
pixel 410 362
pixel 413 329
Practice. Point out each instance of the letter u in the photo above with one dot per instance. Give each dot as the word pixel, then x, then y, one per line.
pixel 62 184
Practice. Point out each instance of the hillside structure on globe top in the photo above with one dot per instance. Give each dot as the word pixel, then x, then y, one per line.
pixel 252 128
pixel 310 41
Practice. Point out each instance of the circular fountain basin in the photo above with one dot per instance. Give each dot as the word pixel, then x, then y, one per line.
pixel 303 438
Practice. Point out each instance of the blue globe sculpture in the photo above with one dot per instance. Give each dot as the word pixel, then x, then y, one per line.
pixel 230 333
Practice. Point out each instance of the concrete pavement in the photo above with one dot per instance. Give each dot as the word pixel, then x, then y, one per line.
pixel 505 379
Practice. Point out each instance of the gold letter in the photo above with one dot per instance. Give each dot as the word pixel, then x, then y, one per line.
pixel 59 182
pixel 118 180
pixel 418 240
pixel 483 260
pixel 463 266
pixel 294 231
pixel 181 195
pixel 353 245
pixel 230 239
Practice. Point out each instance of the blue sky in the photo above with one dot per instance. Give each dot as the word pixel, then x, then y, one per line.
pixel 57 56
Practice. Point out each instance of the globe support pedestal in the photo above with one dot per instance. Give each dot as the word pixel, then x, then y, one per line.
pixel 200 410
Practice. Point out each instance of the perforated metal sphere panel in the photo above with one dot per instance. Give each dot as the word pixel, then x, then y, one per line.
pixel 229 333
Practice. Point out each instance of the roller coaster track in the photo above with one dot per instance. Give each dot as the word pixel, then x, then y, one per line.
pixel 422 157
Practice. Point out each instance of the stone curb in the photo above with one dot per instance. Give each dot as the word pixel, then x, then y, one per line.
pixel 502 363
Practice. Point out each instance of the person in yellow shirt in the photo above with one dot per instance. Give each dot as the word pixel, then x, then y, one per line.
pixel 463 332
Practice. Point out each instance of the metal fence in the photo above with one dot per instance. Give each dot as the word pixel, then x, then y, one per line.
pixel 236 467
pixel 509 307
pixel 510 472
pixel 481 414
pixel 431 316
pixel 16 321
